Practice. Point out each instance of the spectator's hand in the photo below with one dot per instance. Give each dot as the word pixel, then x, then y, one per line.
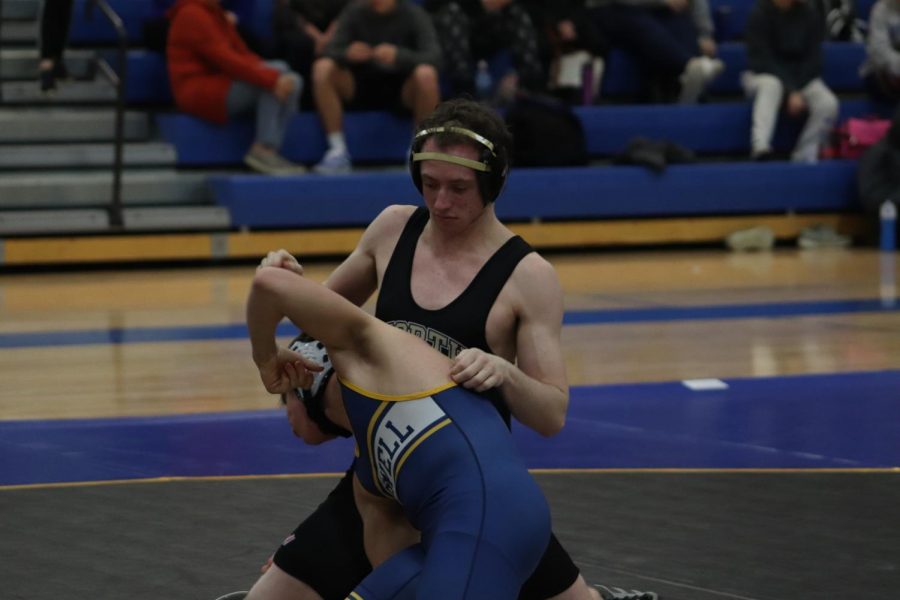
pixel 359 52
pixel 281 259
pixel 796 105
pixel 495 5
pixel 677 5
pixel 708 46
pixel 566 30
pixel 477 370
pixel 318 38
pixel 385 54
pixel 284 87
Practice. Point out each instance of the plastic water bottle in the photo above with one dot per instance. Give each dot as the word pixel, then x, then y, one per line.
pixel 888 220
pixel 484 83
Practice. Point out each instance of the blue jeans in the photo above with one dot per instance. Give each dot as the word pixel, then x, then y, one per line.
pixel 272 116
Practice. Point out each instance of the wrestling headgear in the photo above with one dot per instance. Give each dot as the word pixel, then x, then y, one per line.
pixel 490 168
pixel 312 397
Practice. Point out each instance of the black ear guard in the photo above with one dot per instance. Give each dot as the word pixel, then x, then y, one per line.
pixel 490 169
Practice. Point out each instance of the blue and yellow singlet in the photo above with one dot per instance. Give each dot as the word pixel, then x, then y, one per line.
pixel 446 456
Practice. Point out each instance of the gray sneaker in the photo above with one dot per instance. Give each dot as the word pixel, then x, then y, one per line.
pixel 272 164
pixel 822 236
pixel 754 238
pixel 614 593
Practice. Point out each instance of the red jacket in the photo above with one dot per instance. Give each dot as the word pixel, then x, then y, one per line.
pixel 205 54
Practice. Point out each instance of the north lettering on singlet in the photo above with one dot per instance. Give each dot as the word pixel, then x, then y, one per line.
pixel 398 429
pixel 438 340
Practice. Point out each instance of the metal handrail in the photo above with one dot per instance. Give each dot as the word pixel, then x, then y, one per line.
pixel 118 80
pixel 1 48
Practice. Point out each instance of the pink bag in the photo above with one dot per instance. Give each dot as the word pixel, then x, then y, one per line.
pixel 856 134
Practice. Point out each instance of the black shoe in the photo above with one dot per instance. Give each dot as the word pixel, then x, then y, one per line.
pixel 47 80
pixel 614 593
pixel 60 72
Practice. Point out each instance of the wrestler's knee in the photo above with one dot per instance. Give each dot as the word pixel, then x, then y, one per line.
pixel 275 584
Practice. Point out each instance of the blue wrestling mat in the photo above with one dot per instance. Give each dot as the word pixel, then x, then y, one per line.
pixel 816 421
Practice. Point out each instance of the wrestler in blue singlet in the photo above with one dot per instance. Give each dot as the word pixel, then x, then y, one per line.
pixel 447 457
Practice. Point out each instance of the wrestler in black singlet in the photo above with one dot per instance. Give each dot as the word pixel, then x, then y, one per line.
pixel 326 550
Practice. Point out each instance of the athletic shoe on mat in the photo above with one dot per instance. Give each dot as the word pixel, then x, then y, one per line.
pixel 614 593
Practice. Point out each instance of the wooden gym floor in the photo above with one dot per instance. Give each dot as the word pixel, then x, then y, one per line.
pixel 733 430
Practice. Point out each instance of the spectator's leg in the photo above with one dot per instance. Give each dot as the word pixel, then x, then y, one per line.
pixel 332 86
pixel 522 42
pixel 272 115
pixel 244 98
pixel 421 92
pixel 636 30
pixel 54 32
pixel 453 30
pixel 767 92
pixel 55 20
pixel 681 28
pixel 823 109
pixel 299 51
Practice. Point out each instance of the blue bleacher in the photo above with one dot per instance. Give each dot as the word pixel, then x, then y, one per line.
pixel 97 29
pixel 717 128
pixel 259 202
pixel 376 137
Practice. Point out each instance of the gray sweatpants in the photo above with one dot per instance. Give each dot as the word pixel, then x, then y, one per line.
pixel 767 92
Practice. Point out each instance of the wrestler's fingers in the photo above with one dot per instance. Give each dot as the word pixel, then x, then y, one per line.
pixel 267 565
pixel 299 375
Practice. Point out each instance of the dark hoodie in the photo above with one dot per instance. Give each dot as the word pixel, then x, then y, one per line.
pixel 205 54
pixel 786 43
pixel 878 175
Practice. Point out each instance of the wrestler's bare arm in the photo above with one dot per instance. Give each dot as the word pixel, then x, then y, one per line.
pixel 534 387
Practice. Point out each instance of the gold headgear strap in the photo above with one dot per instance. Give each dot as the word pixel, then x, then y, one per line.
pixel 450 158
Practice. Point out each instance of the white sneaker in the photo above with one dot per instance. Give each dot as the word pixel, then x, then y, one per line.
pixel 335 162
pixel 754 238
pixel 822 236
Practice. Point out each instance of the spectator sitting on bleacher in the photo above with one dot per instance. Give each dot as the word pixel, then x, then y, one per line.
pixel 302 28
pixel 569 42
pixel 784 58
pixel 672 41
pixel 215 76
pixel 478 29
pixel 384 54
pixel 882 66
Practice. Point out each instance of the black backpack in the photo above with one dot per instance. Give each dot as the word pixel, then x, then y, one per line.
pixel 546 132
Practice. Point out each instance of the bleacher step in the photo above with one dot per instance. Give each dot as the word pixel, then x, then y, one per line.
pixel 70 92
pixel 177 218
pixel 69 125
pixel 22 63
pixel 53 221
pixel 53 156
pixel 21 10
pixel 19 32
pixel 71 189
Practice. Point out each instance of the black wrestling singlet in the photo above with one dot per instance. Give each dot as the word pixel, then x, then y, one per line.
pixel 461 323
